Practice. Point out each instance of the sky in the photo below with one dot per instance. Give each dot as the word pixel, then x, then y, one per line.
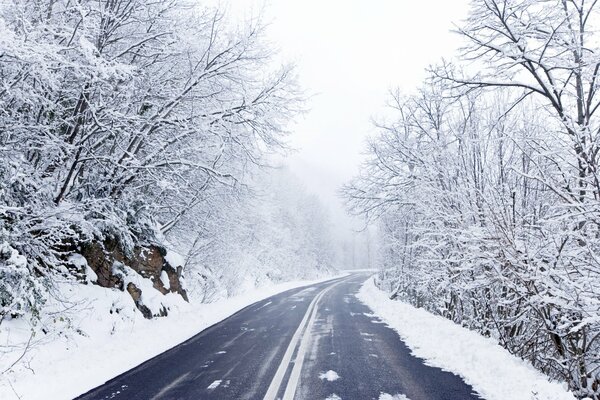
pixel 349 54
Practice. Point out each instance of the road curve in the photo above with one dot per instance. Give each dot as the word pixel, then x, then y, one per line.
pixel 315 342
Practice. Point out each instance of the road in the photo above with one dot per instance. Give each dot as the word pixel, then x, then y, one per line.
pixel 307 343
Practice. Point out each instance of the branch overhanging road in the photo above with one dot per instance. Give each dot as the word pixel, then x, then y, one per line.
pixel 306 343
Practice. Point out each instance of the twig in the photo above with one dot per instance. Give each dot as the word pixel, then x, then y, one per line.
pixel 20 357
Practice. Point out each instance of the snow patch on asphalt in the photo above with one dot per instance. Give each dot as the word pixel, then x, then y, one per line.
pixel 214 385
pixel 386 396
pixel 329 376
pixel 333 397
pixel 492 371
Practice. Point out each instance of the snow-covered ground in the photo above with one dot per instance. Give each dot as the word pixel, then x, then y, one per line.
pixel 91 347
pixel 492 371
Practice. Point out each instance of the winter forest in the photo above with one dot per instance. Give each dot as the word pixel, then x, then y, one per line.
pixel 142 170
pixel 485 186
pixel 134 132
pixel 135 125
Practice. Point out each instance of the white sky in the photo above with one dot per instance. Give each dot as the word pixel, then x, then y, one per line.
pixel 349 53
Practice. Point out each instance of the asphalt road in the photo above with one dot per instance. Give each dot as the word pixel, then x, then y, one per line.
pixel 316 342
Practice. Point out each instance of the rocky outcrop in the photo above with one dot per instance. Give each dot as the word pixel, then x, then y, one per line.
pixel 149 262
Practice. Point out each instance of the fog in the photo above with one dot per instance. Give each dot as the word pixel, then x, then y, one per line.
pixel 348 55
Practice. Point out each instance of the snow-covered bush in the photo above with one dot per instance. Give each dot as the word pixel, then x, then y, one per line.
pixel 21 292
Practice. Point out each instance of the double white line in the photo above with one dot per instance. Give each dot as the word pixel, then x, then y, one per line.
pixel 304 330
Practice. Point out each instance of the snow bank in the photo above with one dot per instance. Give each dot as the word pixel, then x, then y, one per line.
pixel 492 371
pixel 91 347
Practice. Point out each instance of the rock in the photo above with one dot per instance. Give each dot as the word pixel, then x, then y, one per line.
pixel 148 261
pixel 101 263
pixel 134 291
pixel 175 280
pixel 136 295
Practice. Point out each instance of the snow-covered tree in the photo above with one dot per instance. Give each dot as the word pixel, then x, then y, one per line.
pixel 485 186
pixel 119 117
pixel 275 232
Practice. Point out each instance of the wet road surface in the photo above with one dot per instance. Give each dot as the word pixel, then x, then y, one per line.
pixel 315 342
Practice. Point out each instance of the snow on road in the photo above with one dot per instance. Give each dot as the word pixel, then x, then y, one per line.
pixel 382 396
pixel 387 396
pixel 214 385
pixel 329 376
pixel 492 371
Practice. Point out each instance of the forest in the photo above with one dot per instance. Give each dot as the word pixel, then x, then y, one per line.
pixel 136 132
pixel 485 186
pixel 143 147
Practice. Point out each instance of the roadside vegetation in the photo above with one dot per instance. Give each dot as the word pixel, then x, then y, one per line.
pixel 485 186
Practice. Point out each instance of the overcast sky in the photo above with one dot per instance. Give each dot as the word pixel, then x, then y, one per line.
pixel 349 54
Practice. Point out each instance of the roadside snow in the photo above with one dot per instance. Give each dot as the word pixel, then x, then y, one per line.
pixel 91 347
pixel 492 371
pixel 329 375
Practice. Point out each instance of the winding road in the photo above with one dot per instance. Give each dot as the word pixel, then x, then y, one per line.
pixel 315 342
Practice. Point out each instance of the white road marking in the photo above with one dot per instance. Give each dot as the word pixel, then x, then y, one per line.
pixel 214 385
pixel 287 357
pixel 290 389
pixel 170 386
pixel 221 352
pixel 264 305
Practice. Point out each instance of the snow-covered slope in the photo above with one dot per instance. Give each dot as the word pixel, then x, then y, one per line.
pixel 94 347
pixel 492 371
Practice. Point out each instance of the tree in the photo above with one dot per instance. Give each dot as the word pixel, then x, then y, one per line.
pixel 547 49
pixel 468 191
pixel 272 233
pixel 118 118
